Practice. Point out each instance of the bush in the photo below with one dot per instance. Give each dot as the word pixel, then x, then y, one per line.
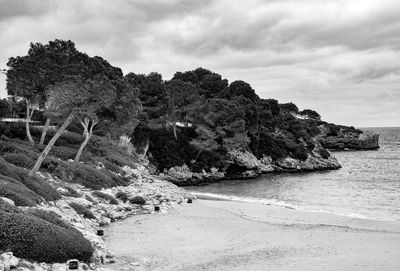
pixel 33 238
pixel 89 198
pixel 122 196
pixel 88 176
pixel 40 187
pixel 82 210
pixel 20 194
pixel 105 196
pixel 19 159
pixel 71 192
pixel 51 217
pixel 138 200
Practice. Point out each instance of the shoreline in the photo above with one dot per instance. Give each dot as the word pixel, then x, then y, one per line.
pixel 229 235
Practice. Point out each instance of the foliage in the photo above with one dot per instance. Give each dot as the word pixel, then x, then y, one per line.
pixel 122 196
pixel 105 196
pixel 82 210
pixel 88 176
pixel 310 113
pixel 19 159
pixel 43 240
pixel 71 192
pixel 137 200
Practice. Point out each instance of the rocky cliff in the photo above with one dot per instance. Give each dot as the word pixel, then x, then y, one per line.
pixel 347 138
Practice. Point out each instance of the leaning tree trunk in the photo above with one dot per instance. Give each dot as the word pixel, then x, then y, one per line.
pixel 44 132
pixel 27 121
pixel 88 134
pixel 46 150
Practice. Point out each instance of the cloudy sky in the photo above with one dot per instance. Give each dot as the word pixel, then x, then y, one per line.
pixel 338 57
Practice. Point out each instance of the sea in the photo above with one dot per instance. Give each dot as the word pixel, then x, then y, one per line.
pixel 367 185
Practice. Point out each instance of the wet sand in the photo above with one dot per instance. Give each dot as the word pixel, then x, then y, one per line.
pixel 228 235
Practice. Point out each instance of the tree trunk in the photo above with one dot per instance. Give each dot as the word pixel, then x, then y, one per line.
pixel 46 150
pixel 83 145
pixel 174 130
pixel 44 132
pixel 88 133
pixel 27 120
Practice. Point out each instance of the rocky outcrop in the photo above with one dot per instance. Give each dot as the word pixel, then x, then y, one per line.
pixel 242 164
pixel 349 139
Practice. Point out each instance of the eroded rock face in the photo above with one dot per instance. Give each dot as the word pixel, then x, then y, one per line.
pixel 247 160
pixel 349 140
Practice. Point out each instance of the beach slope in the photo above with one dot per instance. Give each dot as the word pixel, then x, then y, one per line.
pixel 228 235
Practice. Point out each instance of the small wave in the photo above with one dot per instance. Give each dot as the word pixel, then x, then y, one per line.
pixel 275 202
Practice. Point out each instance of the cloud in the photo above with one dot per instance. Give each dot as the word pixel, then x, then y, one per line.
pixel 336 56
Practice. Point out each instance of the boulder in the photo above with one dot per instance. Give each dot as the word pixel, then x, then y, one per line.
pixel 247 160
pixel 9 201
pixel 180 172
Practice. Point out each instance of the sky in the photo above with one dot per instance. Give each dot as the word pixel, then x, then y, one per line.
pixel 338 57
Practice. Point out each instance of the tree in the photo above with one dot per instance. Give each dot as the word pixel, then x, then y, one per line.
pixel 241 88
pixel 47 64
pixel 4 108
pixel 219 124
pixel 22 82
pixel 76 98
pixel 311 114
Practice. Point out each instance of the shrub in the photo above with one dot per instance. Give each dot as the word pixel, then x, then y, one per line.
pixel 20 194
pixel 51 217
pixel 19 159
pixel 105 196
pixel 40 187
pixel 88 176
pixel 82 210
pixel 71 192
pixel 33 238
pixel 137 200
pixel 122 196
pixel 324 153
pixel 89 198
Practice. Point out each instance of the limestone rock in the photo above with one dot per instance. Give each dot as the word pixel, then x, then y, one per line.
pixel 246 159
pixel 180 172
pixel 9 201
pixel 348 139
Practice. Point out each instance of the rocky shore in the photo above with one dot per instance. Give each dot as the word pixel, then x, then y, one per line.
pixel 248 166
pixel 146 194
pixel 353 140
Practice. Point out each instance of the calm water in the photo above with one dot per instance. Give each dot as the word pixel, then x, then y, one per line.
pixel 367 185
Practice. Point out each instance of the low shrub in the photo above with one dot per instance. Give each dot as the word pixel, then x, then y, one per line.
pixel 71 192
pixel 105 196
pixel 19 159
pixel 33 238
pixel 137 200
pixel 324 153
pixel 89 198
pixel 88 176
pixel 122 196
pixel 40 187
pixel 20 194
pixel 82 210
pixel 51 217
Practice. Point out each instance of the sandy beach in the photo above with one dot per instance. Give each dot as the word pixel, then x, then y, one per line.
pixel 229 235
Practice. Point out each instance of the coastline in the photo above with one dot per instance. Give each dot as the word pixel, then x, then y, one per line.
pixel 231 235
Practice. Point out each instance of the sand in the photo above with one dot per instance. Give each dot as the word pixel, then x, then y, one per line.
pixel 228 235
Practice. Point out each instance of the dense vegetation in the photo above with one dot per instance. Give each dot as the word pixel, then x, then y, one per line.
pixel 195 118
pixel 40 236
